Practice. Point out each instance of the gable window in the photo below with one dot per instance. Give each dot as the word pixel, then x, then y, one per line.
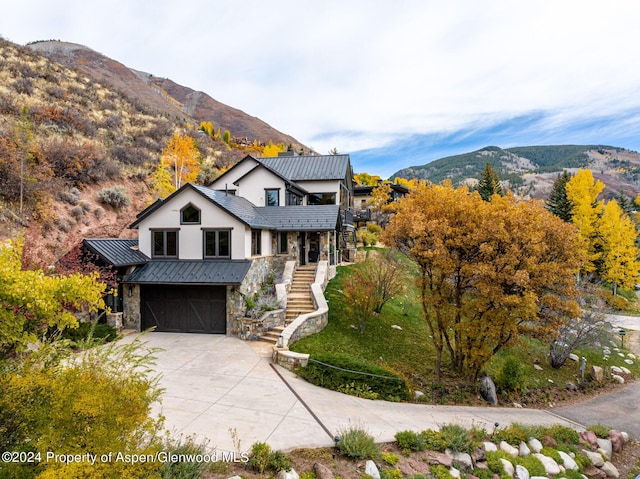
pixel 272 197
pixel 293 199
pixel 217 244
pixel 256 242
pixel 283 246
pixel 165 243
pixel 190 215
pixel 321 199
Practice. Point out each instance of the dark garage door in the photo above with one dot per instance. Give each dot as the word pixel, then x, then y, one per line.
pixel 184 309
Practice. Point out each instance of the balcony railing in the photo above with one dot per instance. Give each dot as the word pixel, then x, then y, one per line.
pixel 346 217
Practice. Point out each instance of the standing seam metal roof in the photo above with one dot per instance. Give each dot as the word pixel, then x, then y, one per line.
pixel 302 218
pixel 309 168
pixel 237 206
pixel 201 272
pixel 115 251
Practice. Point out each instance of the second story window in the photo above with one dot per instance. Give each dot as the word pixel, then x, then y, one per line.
pixel 292 199
pixel 217 244
pixel 256 242
pixel 165 243
pixel 272 197
pixel 321 199
pixel 190 215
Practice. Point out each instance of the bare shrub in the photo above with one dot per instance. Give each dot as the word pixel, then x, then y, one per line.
pixel 115 197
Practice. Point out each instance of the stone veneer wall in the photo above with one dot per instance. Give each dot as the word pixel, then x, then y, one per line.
pixel 131 305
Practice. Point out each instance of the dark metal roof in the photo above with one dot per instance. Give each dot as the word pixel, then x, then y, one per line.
pixel 308 168
pixel 195 272
pixel 302 218
pixel 237 206
pixel 116 252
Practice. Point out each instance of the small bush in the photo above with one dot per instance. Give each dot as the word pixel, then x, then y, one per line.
pixel 390 458
pixel 98 212
pixel 564 434
pixel 600 430
pixel 88 330
pixel 495 464
pixel 115 197
pixel 409 441
pixel 259 456
pixel 512 434
pixel 279 461
pixel 532 464
pixel 85 205
pixel 356 443
pixel 457 438
pixel 433 440
pixel 77 212
pixel 394 473
pixel 512 375
pixel 184 470
pixel 441 472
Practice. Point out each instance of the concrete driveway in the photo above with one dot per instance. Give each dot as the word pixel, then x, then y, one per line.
pixel 218 385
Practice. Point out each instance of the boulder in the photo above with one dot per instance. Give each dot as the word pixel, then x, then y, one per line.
pixel 594 457
pixel 617 440
pixel 488 390
pixel 509 449
pixel 478 455
pixel 550 466
pixel 523 450
pixel 568 462
pixel 409 466
pixel 617 378
pixel 508 467
pixel 322 471
pixel 434 458
pixel 292 474
pixel 371 469
pixel 610 470
pixel 589 438
pixel 574 357
pixel 521 472
pixel 625 370
pixel 616 370
pixel 462 459
pixel 455 473
pixel 571 386
pixel 597 373
pixel 605 445
pixel 594 472
pixel 548 441
pixel 489 446
pixel 535 445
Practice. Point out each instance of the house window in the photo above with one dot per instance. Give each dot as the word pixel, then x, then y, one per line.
pixel 165 243
pixel 256 242
pixel 321 199
pixel 190 215
pixel 217 244
pixel 272 197
pixel 293 199
pixel 283 246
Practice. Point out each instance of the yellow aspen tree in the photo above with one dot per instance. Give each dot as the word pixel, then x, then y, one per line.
pixel 617 236
pixel 582 192
pixel 182 159
pixel 273 150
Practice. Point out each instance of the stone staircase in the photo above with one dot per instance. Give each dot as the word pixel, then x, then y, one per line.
pixel 299 300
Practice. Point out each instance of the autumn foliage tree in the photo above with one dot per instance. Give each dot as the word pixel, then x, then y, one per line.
pixel 179 164
pixel 489 270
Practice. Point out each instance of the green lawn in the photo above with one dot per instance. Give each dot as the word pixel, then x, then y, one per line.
pixel 409 352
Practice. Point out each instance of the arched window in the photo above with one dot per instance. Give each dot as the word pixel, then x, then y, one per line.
pixel 190 215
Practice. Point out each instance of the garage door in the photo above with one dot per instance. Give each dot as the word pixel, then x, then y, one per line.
pixel 184 309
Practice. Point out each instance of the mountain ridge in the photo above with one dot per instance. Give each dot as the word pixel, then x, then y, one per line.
pixel 531 170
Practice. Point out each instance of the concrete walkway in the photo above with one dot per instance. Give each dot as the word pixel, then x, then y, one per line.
pixel 219 387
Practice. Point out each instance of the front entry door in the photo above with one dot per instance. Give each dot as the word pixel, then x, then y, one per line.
pixel 302 244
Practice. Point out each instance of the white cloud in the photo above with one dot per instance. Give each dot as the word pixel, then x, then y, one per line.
pixel 357 74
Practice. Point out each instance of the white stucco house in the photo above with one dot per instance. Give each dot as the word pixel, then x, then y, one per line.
pixel 201 250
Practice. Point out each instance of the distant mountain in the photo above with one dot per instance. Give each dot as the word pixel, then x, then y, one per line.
pixel 531 170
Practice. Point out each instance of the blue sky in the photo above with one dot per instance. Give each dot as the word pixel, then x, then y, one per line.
pixel 395 83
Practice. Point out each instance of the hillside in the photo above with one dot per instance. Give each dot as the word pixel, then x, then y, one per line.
pixel 531 170
pixel 73 122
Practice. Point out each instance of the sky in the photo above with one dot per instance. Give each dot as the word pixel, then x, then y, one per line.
pixel 394 83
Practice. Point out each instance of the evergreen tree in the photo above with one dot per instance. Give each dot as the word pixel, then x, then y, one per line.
pixel 624 202
pixel 558 203
pixel 489 183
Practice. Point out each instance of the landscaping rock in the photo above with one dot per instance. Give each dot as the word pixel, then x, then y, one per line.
pixel 371 469
pixel 617 378
pixel 535 445
pixel 550 466
pixel 594 472
pixel 435 458
pixel 462 458
pixel 594 457
pixel 574 357
pixel 521 472
pixel 610 470
pixel 537 367
pixel 455 473
pixel 571 386
pixel 617 440
pixel 616 370
pixel 508 467
pixel 628 361
pixel 568 462
pixel 523 450
pixel 409 466
pixel 508 448
pixel 590 438
pixel 605 445
pixel 548 441
pixel 395 326
pixel 489 446
pixel 292 474
pixel 597 373
pixel 625 436
pixel 417 395
pixel 625 370
pixel 322 471
pixel 488 390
